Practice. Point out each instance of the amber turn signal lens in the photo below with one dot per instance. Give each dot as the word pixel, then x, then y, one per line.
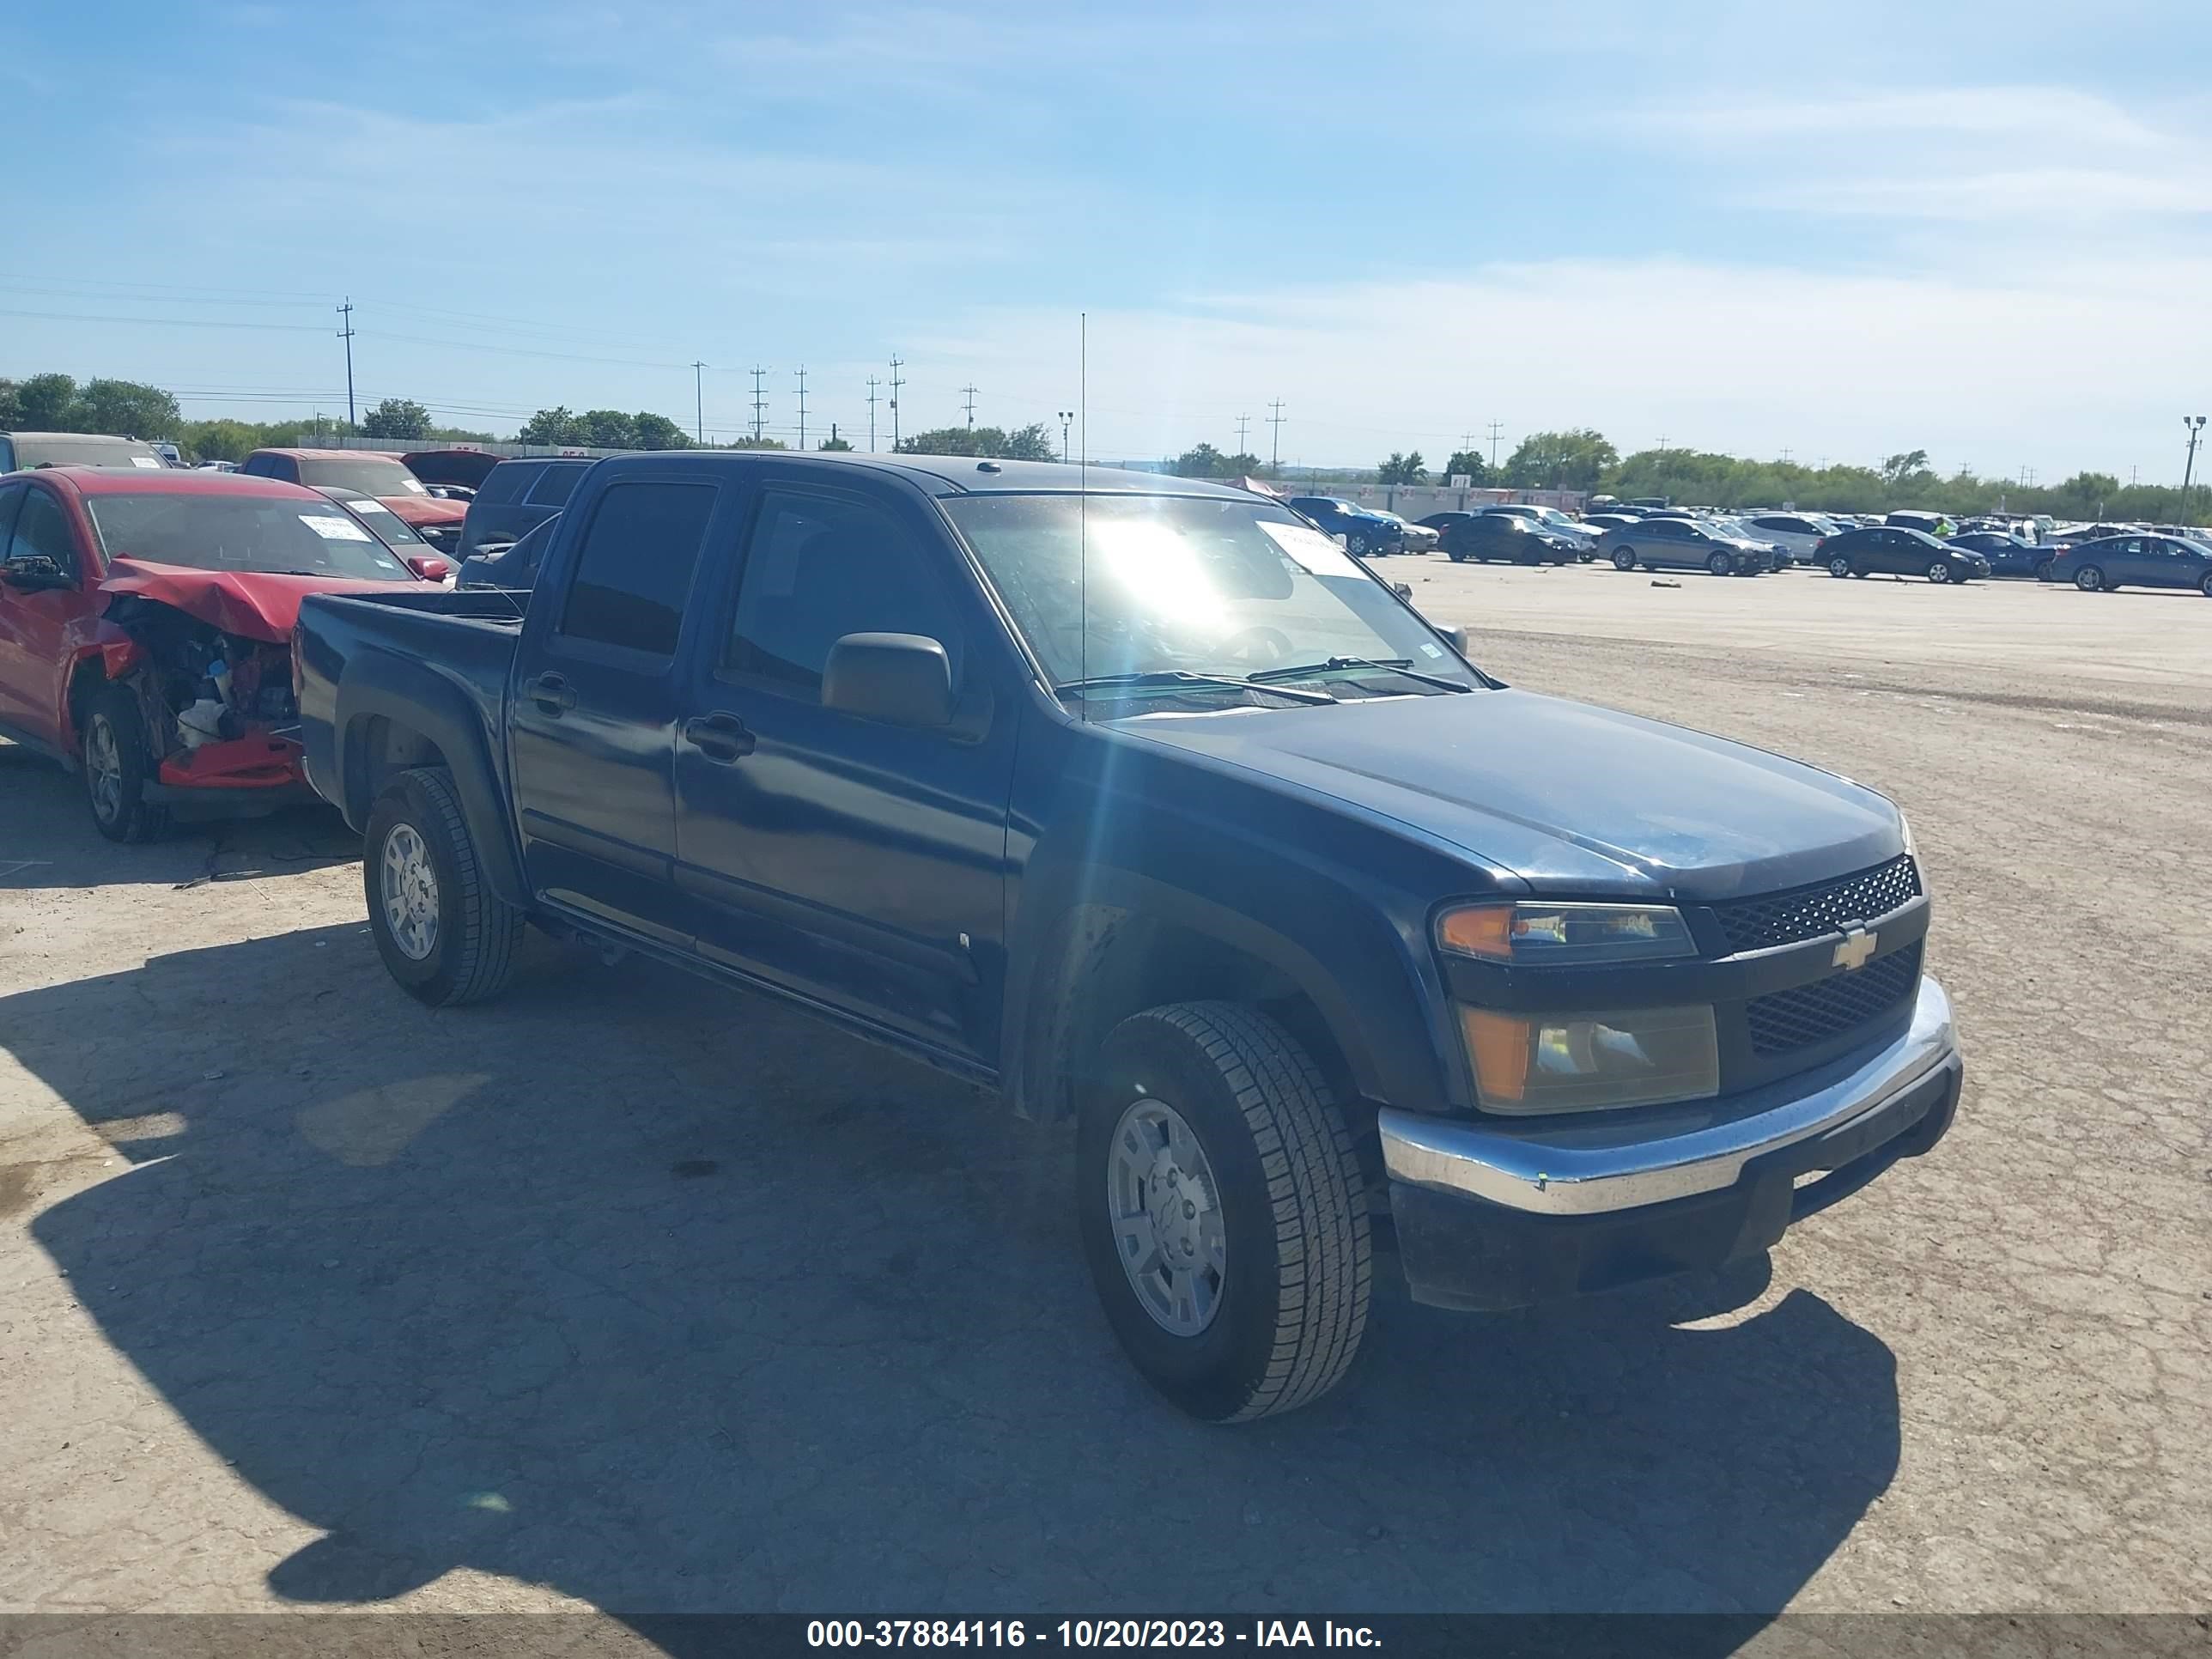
pixel 1479 930
pixel 1499 1045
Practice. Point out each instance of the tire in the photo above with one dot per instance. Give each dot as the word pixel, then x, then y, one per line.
pixel 1624 560
pixel 2043 570
pixel 1839 568
pixel 1720 564
pixel 2090 579
pixel 468 954
pixel 1356 545
pixel 1455 556
pixel 2205 585
pixel 118 765
pixel 1939 573
pixel 1291 1290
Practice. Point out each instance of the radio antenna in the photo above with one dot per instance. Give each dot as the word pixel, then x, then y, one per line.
pixel 1083 502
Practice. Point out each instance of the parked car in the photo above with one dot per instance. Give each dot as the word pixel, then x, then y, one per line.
pixel 1412 538
pixel 1798 534
pixel 380 477
pixel 25 451
pixel 1442 521
pixel 2009 556
pixel 516 496
pixel 1365 534
pixel 1888 549
pixel 512 565
pixel 1777 556
pixel 395 532
pixel 1553 522
pixel 145 624
pixel 867 734
pixel 1489 536
pixel 1669 543
pixel 454 475
pixel 2134 561
pixel 1931 523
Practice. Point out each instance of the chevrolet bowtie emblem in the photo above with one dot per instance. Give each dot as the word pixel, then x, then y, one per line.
pixel 1858 947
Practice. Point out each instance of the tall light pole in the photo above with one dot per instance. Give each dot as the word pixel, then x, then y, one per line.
pixel 346 334
pixel 1065 415
pixel 699 401
pixel 2195 425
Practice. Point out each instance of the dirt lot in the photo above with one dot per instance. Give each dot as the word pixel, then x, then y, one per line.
pixel 631 1293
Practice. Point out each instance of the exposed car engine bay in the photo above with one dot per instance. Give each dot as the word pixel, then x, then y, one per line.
pixel 218 707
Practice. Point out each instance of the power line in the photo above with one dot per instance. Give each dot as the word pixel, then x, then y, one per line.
pixel 760 402
pixel 346 334
pixel 1275 442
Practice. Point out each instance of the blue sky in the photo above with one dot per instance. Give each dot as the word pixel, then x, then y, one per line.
pixel 1982 230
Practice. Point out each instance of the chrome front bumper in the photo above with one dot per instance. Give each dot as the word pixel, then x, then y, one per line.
pixel 1601 1164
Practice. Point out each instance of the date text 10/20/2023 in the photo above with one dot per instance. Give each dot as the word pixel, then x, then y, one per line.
pixel 1085 1633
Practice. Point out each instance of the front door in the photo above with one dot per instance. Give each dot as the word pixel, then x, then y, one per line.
pixel 34 623
pixel 859 864
pixel 593 713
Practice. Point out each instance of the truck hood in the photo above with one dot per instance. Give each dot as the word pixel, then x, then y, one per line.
pixel 253 604
pixel 419 510
pixel 1567 797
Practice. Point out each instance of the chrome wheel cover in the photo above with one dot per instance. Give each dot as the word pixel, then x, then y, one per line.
pixel 1165 1207
pixel 103 769
pixel 410 890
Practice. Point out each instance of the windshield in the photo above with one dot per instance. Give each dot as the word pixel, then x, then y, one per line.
pixel 383 523
pixel 83 452
pixel 267 534
pixel 1197 586
pixel 372 474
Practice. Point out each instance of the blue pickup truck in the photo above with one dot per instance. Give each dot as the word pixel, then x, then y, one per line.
pixel 1141 801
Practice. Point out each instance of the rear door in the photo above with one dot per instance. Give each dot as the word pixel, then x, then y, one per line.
pixel 1666 543
pixel 2163 564
pixel 858 864
pixel 34 624
pixel 592 712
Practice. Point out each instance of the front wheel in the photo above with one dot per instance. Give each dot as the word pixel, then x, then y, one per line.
pixel 1939 573
pixel 1625 559
pixel 2089 579
pixel 443 933
pixel 1720 564
pixel 119 764
pixel 1455 556
pixel 1222 1211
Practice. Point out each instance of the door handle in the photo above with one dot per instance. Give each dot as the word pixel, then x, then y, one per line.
pixel 718 736
pixel 550 692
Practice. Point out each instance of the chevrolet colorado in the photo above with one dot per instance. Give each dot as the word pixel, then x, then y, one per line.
pixel 1144 802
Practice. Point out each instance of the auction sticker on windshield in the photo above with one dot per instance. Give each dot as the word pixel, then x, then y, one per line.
pixel 332 528
pixel 1311 549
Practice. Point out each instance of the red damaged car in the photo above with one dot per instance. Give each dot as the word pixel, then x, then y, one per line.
pixel 369 473
pixel 145 632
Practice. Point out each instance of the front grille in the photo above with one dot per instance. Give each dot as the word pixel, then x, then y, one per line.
pixel 1829 1007
pixel 1756 924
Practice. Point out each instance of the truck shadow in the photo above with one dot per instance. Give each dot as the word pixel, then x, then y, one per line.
pixel 47 838
pixel 670 1300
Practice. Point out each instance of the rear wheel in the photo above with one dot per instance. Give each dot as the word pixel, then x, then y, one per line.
pixel 1623 558
pixel 1455 556
pixel 1839 567
pixel 1223 1212
pixel 2205 585
pixel 119 764
pixel 443 933
pixel 2089 579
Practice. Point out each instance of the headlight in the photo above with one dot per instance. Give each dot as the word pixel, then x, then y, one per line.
pixel 1532 934
pixel 1905 828
pixel 1535 1063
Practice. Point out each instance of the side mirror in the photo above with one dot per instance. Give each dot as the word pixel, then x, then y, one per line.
pixel 1456 637
pixel 430 567
pixel 34 573
pixel 901 679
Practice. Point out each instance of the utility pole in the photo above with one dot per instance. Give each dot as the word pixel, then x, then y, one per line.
pixel 1276 439
pixel 1662 443
pixel 1065 415
pixel 872 384
pixel 970 390
pixel 895 384
pixel 759 403
pixel 1497 431
pixel 1785 454
pixel 699 402
pixel 345 333
pixel 1242 421
pixel 801 373
pixel 2194 426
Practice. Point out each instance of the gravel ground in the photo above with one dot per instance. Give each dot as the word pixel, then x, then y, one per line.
pixel 630 1293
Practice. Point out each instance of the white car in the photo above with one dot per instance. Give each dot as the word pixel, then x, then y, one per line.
pixel 1419 537
pixel 1798 534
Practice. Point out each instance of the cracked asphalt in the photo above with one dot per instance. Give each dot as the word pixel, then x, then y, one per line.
pixel 631 1294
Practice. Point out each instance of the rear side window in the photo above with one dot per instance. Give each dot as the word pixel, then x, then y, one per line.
pixel 555 484
pixel 269 466
pixel 507 482
pixel 636 569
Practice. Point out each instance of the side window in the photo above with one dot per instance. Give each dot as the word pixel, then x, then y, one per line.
pixel 636 569
pixel 555 484
pixel 42 531
pixel 11 501
pixel 819 568
pixel 507 482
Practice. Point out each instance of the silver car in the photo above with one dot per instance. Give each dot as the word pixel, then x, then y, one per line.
pixel 1798 534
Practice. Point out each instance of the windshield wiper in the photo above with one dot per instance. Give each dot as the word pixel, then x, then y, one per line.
pixel 1394 665
pixel 1170 678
